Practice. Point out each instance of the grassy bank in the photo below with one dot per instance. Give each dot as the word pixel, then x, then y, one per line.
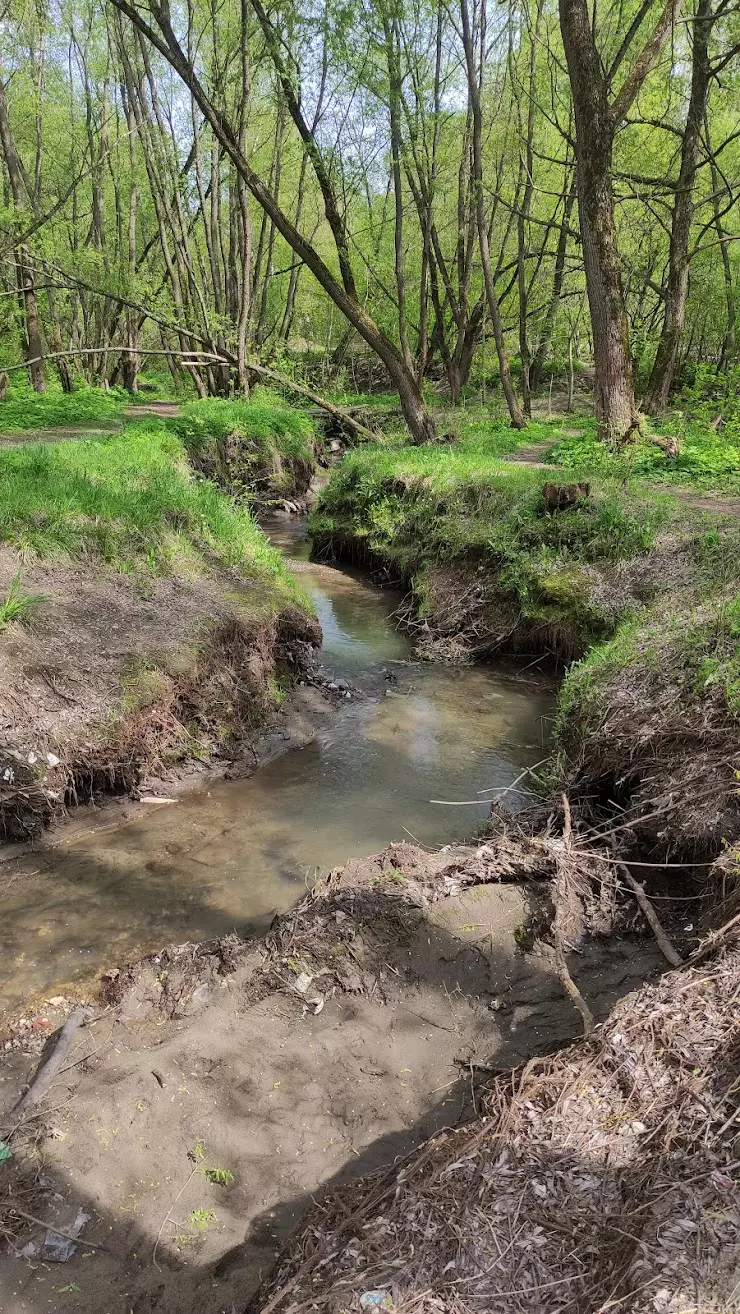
pixel 261 450
pixel 145 618
pixel 639 589
pixel 488 565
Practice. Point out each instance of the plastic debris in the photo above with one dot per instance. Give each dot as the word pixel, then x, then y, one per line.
pixel 58 1249
pixel 380 1299
pixel 302 982
pixel 5 1152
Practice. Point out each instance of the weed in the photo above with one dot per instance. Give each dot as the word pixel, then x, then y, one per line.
pixel 200 1220
pixel 219 1176
pixel 19 606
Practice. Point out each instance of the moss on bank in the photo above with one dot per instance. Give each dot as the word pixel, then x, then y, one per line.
pixel 488 564
pixel 161 617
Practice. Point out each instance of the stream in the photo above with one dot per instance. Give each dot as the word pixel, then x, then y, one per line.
pixel 229 854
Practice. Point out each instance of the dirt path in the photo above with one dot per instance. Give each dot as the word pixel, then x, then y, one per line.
pixel 230 1059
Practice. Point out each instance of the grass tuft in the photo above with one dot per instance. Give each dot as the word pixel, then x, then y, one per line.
pixel 19 606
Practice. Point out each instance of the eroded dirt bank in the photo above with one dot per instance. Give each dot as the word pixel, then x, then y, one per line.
pixel 118 676
pixel 367 1020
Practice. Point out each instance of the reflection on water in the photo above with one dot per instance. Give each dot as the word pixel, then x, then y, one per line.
pixel 230 856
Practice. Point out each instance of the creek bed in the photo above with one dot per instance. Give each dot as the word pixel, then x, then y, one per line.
pixel 230 854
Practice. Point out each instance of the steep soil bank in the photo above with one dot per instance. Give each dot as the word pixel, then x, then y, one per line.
pixel 221 1086
pixel 117 676
pixel 144 619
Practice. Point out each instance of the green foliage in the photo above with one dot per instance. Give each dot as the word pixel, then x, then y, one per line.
pixel 253 449
pixel 18 606
pixel 200 1220
pixel 131 501
pixel 707 458
pixel 26 409
pixel 219 1176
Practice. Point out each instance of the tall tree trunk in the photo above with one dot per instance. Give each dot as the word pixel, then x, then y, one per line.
pixel 595 127
pixel 677 287
pixel 596 120
pixel 527 170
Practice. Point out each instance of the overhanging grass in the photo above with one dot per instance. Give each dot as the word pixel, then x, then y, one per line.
pixel 132 502
pixel 458 500
pixel 25 409
pixel 267 424
pixel 259 448
pixel 424 510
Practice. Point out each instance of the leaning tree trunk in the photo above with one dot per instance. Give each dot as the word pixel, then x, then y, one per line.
pixel 677 287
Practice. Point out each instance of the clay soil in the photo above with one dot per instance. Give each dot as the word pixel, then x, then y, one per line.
pixel 366 1021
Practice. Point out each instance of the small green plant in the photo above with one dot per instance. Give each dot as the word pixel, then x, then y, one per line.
pixel 200 1220
pixel 219 1176
pixel 19 606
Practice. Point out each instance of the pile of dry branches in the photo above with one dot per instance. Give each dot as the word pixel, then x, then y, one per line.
pixel 602 1178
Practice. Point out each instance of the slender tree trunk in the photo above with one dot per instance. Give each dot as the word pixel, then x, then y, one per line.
pixel 474 66
pixel 729 340
pixel 558 276
pixel 677 287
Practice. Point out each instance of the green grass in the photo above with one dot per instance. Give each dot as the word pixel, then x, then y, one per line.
pixel 461 500
pixel 265 423
pixel 259 448
pixel 708 460
pixel 130 501
pixel 25 409
pixel 429 507
pixel 18 606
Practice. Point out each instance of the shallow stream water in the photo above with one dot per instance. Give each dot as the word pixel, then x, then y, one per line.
pixel 229 855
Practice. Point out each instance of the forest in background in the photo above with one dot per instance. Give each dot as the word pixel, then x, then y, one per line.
pixel 408 194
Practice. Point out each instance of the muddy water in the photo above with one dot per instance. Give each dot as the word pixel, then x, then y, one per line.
pixel 229 855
